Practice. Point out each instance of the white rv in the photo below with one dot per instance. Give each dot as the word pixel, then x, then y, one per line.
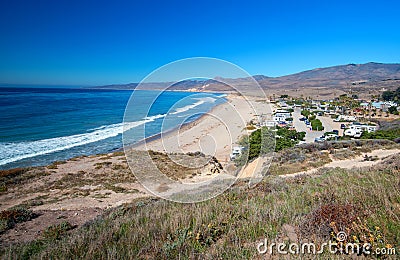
pixel 236 151
pixel 356 129
pixel 345 118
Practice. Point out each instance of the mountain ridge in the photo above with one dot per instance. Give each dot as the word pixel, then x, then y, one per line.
pixel 371 76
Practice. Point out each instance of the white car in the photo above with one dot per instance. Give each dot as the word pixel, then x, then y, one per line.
pixel 353 133
pixel 331 136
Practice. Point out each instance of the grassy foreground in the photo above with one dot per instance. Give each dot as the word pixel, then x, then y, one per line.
pixel 364 203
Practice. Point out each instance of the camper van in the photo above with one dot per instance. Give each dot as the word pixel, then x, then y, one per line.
pixel 236 151
pixel 356 129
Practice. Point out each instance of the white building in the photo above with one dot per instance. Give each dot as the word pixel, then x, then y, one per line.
pixel 345 118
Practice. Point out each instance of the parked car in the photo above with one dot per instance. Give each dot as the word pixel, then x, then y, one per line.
pixel 342 126
pixel 335 132
pixel 301 142
pixel 331 136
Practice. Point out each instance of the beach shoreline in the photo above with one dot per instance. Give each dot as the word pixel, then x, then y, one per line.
pixel 214 133
pixel 158 136
pixel 98 135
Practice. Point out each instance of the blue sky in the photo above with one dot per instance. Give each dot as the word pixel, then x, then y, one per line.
pixel 105 42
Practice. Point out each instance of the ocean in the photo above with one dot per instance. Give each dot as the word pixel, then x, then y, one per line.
pixel 42 125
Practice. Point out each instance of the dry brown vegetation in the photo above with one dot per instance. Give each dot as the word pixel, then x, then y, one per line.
pixel 309 156
pixel 231 225
pixel 313 208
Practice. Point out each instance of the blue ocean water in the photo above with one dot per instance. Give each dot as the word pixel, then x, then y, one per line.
pixel 42 125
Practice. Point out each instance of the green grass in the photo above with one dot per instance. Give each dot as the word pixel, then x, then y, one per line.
pixel 230 225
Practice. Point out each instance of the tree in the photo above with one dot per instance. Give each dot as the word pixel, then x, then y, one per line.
pixel 316 124
pixel 263 141
pixel 397 94
pixel 393 110
pixel 305 113
pixel 388 95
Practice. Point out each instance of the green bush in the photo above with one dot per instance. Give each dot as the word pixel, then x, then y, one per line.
pixel 56 232
pixel 8 218
pixel 393 110
pixel 3 187
pixel 391 95
pixel 305 113
pixel 316 124
pixel 262 141
pixel 382 134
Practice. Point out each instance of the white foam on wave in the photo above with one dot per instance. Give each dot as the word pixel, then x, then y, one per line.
pixel 15 151
pixel 188 107
pixel 198 103
pixel 207 99
pixel 11 152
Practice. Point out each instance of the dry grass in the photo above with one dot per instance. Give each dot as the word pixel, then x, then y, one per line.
pixel 18 176
pixel 314 155
pixel 298 159
pixel 230 225
pixel 191 164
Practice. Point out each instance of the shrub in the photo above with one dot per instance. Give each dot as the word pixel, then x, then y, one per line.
pixel 316 124
pixel 393 110
pixel 305 113
pixel 382 134
pixel 8 218
pixel 250 127
pixel 56 232
pixel 3 187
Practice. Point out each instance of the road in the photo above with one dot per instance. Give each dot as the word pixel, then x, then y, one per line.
pixel 301 127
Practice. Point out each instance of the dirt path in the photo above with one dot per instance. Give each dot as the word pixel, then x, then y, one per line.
pixel 356 162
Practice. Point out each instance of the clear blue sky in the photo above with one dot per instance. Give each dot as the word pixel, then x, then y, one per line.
pixel 104 42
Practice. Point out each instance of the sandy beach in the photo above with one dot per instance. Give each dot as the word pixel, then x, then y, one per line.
pixel 216 132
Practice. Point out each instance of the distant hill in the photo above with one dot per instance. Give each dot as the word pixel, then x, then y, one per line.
pixel 338 75
pixel 369 77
